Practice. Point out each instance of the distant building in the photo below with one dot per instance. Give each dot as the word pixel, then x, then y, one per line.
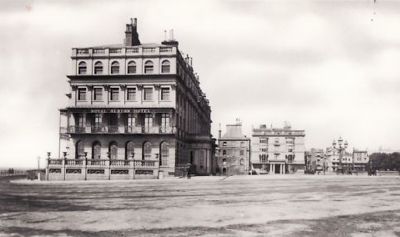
pixel 357 160
pixel 277 150
pixel 334 163
pixel 233 155
pixel 135 110
pixel 360 160
pixel 316 161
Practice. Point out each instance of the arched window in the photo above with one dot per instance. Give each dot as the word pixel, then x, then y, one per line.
pixel 165 66
pixel 113 150
pixel 146 151
pixel 148 67
pixel 98 68
pixel 164 153
pixel 129 150
pixel 79 150
pixel 131 67
pixel 82 68
pixel 96 150
pixel 115 67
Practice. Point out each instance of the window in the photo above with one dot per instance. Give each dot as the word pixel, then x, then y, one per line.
pixel 148 122
pixel 96 150
pixel 164 93
pixel 164 153
pixel 82 68
pixel 224 144
pixel 80 150
pixel 81 93
pixel 114 92
pixel 97 94
pixel 131 120
pixel 241 162
pixel 263 141
pixel 164 122
pixel 98 68
pixel 97 120
pixel 263 158
pixel 113 150
pixel 79 120
pixel 165 66
pixel 241 153
pixel 147 93
pixel 131 94
pixel 223 152
pixel 146 151
pixel 148 67
pixel 131 67
pixel 129 150
pixel 115 67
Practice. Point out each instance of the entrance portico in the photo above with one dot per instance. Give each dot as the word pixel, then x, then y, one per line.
pixel 277 167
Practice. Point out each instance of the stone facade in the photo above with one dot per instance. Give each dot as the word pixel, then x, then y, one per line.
pixel 133 104
pixel 277 150
pixel 233 154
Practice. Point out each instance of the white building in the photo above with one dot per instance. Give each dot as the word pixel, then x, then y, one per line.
pixel 277 150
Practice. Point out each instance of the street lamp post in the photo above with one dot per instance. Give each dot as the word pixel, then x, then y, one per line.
pixel 341 147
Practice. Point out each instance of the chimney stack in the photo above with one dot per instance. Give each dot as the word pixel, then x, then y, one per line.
pixel 171 40
pixel 131 34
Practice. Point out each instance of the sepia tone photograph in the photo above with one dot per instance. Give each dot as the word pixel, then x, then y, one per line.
pixel 200 118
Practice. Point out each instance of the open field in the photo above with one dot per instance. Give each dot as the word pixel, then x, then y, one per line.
pixel 235 206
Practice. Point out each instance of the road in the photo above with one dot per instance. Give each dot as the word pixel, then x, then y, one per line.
pixel 204 206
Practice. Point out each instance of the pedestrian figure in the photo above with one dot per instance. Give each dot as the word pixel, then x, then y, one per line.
pixel 188 166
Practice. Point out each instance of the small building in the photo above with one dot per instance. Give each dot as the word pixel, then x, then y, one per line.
pixel 316 161
pixel 360 160
pixel 233 154
pixel 278 150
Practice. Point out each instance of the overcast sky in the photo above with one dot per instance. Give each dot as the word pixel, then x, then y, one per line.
pixel 329 67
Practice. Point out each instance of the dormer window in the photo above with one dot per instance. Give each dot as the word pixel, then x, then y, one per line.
pixel 115 67
pixel 82 68
pixel 148 67
pixel 98 68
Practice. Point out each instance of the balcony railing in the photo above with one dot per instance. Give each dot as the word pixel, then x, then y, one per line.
pixel 76 129
pixel 55 161
pixel 115 129
pixel 104 162
pixel 99 129
pixel 74 162
pixel 119 162
pixel 96 162
pixel 145 163
pixel 133 129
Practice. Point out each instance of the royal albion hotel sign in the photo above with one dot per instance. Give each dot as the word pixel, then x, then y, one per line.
pixel 124 110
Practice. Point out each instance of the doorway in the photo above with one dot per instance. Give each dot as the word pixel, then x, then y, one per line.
pixel 277 168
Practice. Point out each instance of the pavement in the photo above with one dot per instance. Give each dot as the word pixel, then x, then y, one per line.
pixel 275 205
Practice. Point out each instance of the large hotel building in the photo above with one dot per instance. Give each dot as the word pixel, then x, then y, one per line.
pixel 135 111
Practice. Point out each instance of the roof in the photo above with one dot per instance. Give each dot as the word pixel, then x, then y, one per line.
pixel 123 46
pixel 234 131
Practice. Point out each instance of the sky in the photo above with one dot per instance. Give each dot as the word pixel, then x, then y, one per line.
pixel 327 66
